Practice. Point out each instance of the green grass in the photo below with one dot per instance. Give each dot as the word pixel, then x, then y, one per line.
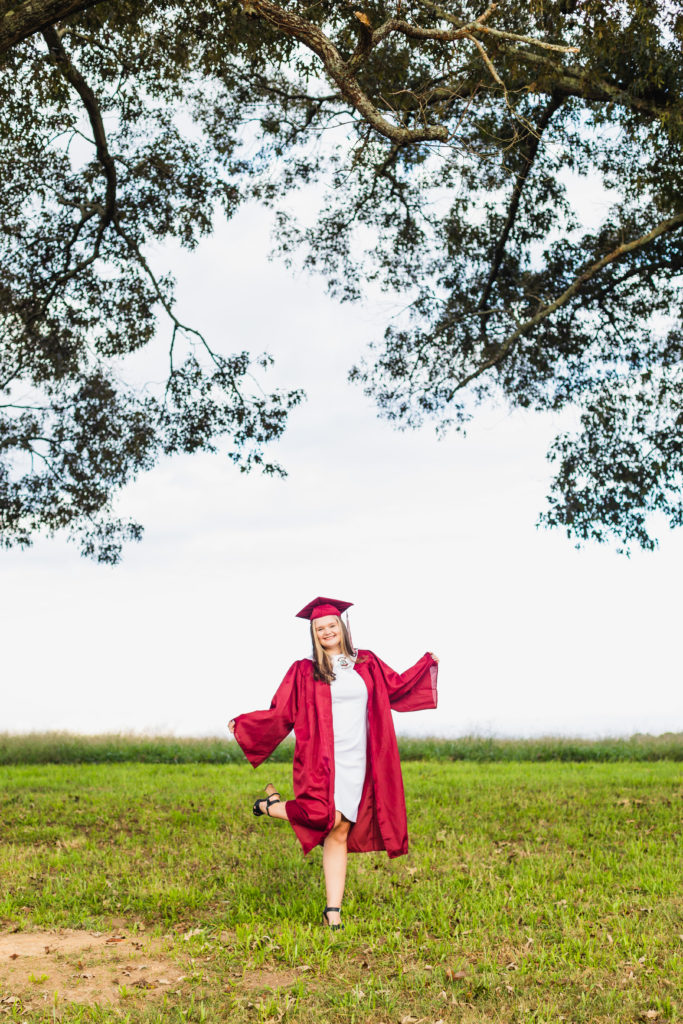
pixel 70 748
pixel 554 889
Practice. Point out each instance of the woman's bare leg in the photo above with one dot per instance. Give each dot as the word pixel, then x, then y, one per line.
pixel 276 810
pixel 335 853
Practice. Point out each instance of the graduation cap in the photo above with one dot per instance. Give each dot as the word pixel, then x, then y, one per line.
pixel 321 606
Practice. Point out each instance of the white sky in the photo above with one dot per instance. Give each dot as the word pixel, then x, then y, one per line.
pixel 433 541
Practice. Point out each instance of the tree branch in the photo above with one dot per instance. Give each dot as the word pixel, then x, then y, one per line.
pixel 19 21
pixel 61 60
pixel 551 307
pixel 528 153
pixel 570 81
pixel 487 61
pixel 217 360
pixel 5 383
pixel 479 26
pixel 340 72
pixel 464 30
pixel 107 213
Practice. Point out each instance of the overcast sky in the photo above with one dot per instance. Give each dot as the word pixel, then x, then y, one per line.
pixel 434 542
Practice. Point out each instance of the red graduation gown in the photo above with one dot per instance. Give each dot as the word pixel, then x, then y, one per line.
pixel 304 704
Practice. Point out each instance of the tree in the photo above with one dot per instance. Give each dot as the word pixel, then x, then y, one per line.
pixel 511 298
pixel 80 205
pixel 455 131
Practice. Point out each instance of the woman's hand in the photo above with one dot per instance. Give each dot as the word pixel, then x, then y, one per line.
pixel 231 725
pixel 434 657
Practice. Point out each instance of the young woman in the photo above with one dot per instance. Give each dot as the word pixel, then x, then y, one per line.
pixel 348 790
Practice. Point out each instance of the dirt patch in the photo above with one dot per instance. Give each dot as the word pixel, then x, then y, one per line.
pixel 52 967
pixel 253 980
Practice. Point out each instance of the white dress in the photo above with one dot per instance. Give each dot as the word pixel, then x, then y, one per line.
pixel 349 716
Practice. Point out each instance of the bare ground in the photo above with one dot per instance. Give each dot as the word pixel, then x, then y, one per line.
pixel 52 968
pixel 48 967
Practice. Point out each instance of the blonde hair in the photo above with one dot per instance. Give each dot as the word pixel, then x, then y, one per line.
pixel 322 660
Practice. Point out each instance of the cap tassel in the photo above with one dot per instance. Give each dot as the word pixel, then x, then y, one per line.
pixel 348 631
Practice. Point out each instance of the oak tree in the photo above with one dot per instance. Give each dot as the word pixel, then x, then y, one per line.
pixel 449 136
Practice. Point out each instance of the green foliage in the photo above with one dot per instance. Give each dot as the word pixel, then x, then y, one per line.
pixel 70 748
pixel 81 205
pixel 137 123
pixel 530 893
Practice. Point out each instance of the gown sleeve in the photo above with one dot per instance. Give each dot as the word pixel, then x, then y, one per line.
pixel 259 732
pixel 414 689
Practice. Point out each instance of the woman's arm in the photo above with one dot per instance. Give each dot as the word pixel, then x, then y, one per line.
pixel 259 732
pixel 412 690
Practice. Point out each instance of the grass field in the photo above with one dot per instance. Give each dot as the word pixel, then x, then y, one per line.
pixel 532 893
pixel 115 748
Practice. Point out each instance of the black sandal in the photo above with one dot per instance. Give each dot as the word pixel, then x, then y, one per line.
pixel 332 927
pixel 274 798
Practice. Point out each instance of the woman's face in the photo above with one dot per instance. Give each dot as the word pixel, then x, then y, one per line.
pixel 328 632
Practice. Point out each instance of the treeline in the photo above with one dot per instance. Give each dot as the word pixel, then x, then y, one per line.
pixel 71 748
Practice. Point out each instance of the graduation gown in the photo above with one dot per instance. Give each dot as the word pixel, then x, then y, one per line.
pixel 304 704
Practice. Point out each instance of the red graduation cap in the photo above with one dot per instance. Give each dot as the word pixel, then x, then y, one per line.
pixel 321 606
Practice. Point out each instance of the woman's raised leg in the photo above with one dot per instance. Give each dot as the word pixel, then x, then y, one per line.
pixel 277 809
pixel 335 855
